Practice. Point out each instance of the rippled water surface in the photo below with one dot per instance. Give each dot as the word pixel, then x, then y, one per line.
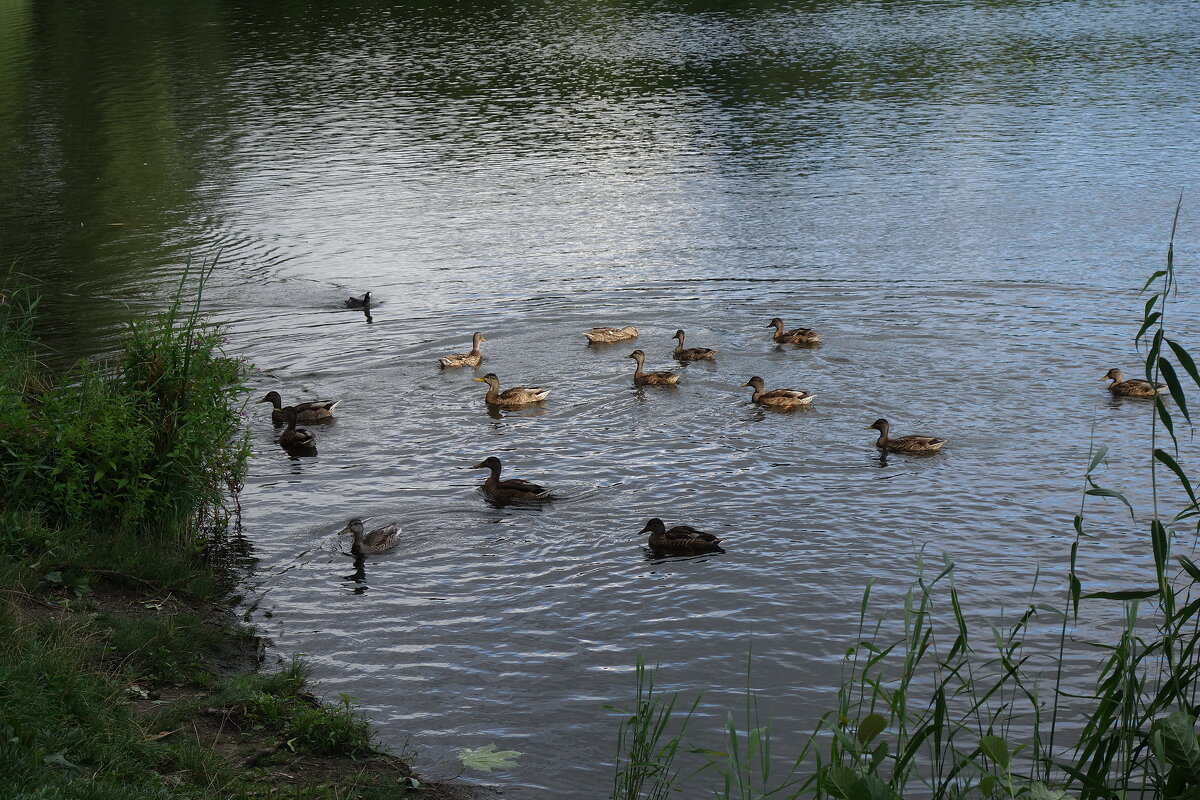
pixel 962 196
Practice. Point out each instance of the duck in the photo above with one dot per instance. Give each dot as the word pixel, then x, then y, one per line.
pixel 794 336
pixel 511 398
pixel 509 488
pixel 691 353
pixel 605 335
pixel 680 539
pixel 641 378
pixel 311 411
pixel 470 359
pixel 355 302
pixel 1134 387
pixel 777 398
pixel 379 540
pixel 904 444
pixel 295 438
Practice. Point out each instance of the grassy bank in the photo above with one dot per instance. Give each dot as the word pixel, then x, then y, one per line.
pixel 955 707
pixel 123 672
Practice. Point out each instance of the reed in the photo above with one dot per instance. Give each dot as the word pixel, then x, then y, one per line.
pixel 954 708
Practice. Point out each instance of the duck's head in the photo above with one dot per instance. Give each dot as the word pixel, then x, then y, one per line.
pixel 491 462
pixel 289 413
pixel 366 298
pixel 637 354
pixel 880 425
pixel 655 525
pixel 1112 374
pixel 354 526
pixel 775 323
pixel 490 379
pixel 477 337
pixel 678 335
pixel 756 382
pixel 273 398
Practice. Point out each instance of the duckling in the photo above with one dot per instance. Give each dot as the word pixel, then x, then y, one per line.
pixel 794 336
pixel 511 398
pixel 509 488
pixel 641 378
pixel 470 359
pixel 379 540
pixel 294 438
pixel 1134 387
pixel 312 411
pixel 354 302
pixel 680 539
pixel 691 353
pixel 605 335
pixel 904 444
pixel 777 398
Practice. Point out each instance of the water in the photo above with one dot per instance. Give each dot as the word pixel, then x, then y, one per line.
pixel 962 197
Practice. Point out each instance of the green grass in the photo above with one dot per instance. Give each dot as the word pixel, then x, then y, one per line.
pixel 956 707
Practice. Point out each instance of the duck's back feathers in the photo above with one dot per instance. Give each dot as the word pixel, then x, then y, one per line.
pixel 915 444
pixel 379 540
pixel 608 334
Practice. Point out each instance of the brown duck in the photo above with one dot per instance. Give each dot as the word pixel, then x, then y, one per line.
pixel 691 353
pixel 680 539
pixel 312 411
pixel 379 540
pixel 511 398
pixel 471 359
pixel 1134 387
pixel 777 398
pixel 642 378
pixel 904 444
pixel 605 334
pixel 509 488
pixel 794 336
pixel 294 438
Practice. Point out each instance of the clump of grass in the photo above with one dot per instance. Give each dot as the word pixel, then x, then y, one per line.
pixel 645 763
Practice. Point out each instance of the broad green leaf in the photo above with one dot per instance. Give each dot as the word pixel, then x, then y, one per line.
pixel 840 780
pixel 1173 465
pixel 870 727
pixel 487 758
pixel 1185 360
pixel 1158 274
pixel 1097 457
pixel 994 748
pixel 870 787
pixel 1173 740
pixel 1040 791
pixel 1190 566
pixel 1098 492
pixel 1150 320
pixel 1174 387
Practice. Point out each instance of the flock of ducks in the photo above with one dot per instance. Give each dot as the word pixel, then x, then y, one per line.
pixel 678 540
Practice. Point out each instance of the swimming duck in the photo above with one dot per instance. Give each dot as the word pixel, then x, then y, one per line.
pixel 1134 387
pixel 312 411
pixel 904 444
pixel 379 540
pixel 641 378
pixel 354 302
pixel 777 398
pixel 295 438
pixel 794 336
pixel 604 335
pixel 691 353
pixel 680 539
pixel 511 398
pixel 509 488
pixel 470 359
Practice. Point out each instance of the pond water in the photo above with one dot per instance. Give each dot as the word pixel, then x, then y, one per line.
pixel 963 197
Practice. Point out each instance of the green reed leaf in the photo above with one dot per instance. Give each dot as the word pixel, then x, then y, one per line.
pixel 1190 567
pixel 1173 465
pixel 1098 492
pixel 1185 360
pixel 1097 457
pixel 1174 387
pixel 1153 277
pixel 1146 324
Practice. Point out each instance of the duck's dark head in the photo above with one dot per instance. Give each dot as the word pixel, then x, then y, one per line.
pixel 638 354
pixel 880 425
pixel 490 379
pixel 354 526
pixel 756 382
pixel 1113 374
pixel 678 335
pixel 273 398
pixel 491 462
pixel 655 525
pixel 775 323
pixel 477 337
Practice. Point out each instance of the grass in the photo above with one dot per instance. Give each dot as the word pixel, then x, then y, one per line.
pixel 115 555
pixel 958 708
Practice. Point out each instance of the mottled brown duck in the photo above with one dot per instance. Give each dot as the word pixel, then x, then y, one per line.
pixel 311 411
pixel 794 336
pixel 1134 387
pixel 904 444
pixel 691 353
pixel 682 539
pixel 777 398
pixel 379 540
pixel 509 488
pixel 511 398
pixel 643 378
pixel 471 359
pixel 606 335
pixel 294 438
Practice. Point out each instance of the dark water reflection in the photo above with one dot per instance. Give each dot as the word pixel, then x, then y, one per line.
pixel 961 196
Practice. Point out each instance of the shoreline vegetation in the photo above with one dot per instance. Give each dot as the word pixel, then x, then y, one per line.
pixel 952 707
pixel 124 672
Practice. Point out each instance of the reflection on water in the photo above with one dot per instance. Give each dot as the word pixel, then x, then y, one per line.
pixel 961 197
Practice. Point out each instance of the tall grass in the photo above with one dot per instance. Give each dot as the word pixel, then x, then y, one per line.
pixel 953 708
pixel 146 442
